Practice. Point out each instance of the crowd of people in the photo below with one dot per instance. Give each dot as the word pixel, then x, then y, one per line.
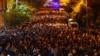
pixel 47 39
pixel 43 40
pixel 50 16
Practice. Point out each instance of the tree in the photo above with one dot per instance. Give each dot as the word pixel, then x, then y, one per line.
pixel 35 3
pixel 17 16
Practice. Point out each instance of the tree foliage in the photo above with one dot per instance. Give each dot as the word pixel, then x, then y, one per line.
pixel 35 3
pixel 17 16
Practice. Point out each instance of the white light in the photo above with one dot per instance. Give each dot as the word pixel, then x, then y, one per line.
pixel 49 0
pixel 8 55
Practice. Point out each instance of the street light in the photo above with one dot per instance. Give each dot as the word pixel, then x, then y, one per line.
pixel 16 3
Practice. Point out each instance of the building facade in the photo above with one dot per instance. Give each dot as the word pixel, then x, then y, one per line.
pixel 3 5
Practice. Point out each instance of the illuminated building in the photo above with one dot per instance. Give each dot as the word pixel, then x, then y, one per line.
pixel 3 4
pixel 10 4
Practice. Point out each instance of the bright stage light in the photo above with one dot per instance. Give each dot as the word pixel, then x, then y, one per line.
pixel 55 4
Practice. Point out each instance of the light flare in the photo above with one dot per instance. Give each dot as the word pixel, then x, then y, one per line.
pixel 77 8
